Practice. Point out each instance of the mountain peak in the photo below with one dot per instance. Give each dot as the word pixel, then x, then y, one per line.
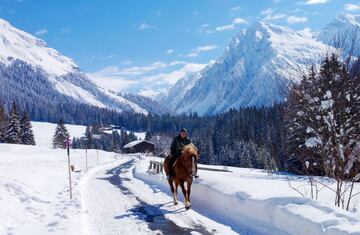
pixel 17 44
pixel 344 23
pixel 263 58
pixel 269 27
pixel 346 18
pixel 4 23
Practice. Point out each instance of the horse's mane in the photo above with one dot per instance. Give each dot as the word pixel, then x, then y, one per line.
pixel 190 149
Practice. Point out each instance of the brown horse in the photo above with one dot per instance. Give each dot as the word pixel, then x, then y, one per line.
pixel 183 172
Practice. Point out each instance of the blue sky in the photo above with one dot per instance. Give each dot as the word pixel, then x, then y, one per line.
pixel 147 38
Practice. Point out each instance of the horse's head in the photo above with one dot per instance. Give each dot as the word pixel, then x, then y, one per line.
pixel 190 150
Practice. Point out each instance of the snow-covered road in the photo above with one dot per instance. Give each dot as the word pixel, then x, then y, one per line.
pixel 114 202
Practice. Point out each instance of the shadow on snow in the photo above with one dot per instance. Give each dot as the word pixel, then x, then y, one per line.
pixel 154 215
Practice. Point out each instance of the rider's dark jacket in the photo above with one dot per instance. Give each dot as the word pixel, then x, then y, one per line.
pixel 177 145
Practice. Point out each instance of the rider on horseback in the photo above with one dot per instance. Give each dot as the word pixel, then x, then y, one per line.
pixel 176 147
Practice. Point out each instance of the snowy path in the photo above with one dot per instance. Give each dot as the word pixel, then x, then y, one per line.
pixel 114 202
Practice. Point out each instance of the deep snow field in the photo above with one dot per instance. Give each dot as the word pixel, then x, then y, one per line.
pixel 119 196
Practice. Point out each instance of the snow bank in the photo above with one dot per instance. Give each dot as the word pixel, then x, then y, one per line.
pixel 265 203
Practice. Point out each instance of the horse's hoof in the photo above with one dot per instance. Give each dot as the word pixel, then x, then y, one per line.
pixel 187 207
pixel 175 203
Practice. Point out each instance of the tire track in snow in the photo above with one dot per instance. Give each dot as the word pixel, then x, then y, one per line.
pixel 151 214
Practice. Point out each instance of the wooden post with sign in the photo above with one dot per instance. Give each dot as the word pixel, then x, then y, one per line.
pixel 67 145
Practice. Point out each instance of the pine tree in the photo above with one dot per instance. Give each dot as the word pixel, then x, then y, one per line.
pixel 75 143
pixel 3 121
pixel 26 133
pixel 299 113
pixel 132 136
pixel 148 135
pixel 61 135
pixel 12 132
pixel 116 142
pixel 89 137
pixel 324 115
pixel 245 160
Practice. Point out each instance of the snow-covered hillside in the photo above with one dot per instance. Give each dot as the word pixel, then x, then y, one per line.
pixel 256 69
pixel 28 57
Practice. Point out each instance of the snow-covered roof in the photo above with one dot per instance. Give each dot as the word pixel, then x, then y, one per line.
pixel 136 142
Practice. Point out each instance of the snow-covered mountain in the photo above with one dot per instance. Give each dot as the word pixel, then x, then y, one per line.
pixel 29 57
pixel 17 44
pixel 344 25
pixel 256 69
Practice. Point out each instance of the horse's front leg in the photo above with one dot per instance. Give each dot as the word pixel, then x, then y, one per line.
pixel 188 190
pixel 175 193
pixel 186 196
pixel 173 190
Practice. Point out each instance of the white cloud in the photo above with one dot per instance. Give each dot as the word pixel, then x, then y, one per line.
pixel 195 52
pixel 41 32
pixel 231 26
pixel 313 2
pixel 170 51
pixel 296 19
pixel 203 28
pixel 267 11
pixel 239 21
pixel 352 7
pixel 144 26
pixel 205 48
pixel 177 62
pixel 148 79
pixel 173 76
pixel 114 71
pixel 234 10
pixel 225 27
pixel 115 83
pixel 103 57
pixel 237 8
pixel 192 55
pixel 274 17
pixel 126 62
pixel 269 14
